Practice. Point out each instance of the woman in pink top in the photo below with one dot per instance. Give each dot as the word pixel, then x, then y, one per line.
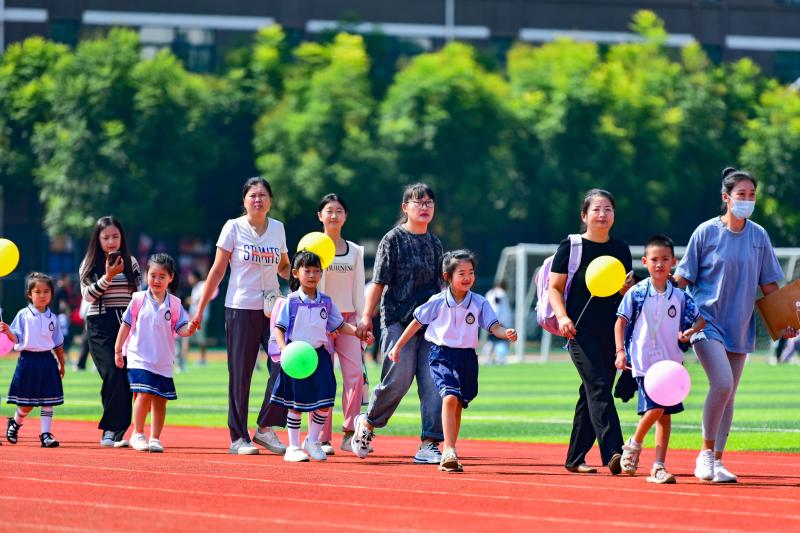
pixel 344 282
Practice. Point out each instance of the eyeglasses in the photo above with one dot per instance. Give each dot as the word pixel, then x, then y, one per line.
pixel 426 204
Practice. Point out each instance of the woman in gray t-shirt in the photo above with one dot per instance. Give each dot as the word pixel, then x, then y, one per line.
pixel 728 258
pixel 406 274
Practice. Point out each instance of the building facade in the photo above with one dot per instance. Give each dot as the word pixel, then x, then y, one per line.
pixel 200 31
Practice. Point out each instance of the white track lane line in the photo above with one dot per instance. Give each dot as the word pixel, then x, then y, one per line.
pixel 565 501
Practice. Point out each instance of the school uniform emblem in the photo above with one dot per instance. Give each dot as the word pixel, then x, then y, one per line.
pixel 672 311
pixel 167 316
pixel 470 319
pixel 323 314
pixel 52 326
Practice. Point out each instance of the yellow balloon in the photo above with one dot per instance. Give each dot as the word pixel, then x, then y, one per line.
pixel 605 275
pixel 9 257
pixel 320 244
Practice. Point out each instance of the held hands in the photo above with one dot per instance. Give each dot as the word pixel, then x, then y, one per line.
pixel 789 332
pixel 368 337
pixel 629 282
pixel 191 327
pixel 511 334
pixel 566 327
pixel 684 336
pixel 363 326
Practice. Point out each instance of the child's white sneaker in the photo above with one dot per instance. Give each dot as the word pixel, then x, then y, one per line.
pixel 327 447
pixel 660 475
pixel 314 450
pixel 155 446
pixel 139 443
pixel 704 465
pixel 722 474
pixel 630 457
pixel 295 454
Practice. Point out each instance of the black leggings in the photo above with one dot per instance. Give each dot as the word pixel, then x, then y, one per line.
pixel 595 414
pixel 116 391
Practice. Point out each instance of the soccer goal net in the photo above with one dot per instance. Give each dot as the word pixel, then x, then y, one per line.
pixel 519 264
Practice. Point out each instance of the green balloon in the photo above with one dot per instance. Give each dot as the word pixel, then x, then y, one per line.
pixel 299 359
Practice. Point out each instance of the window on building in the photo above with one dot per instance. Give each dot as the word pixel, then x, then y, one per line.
pixel 194 47
pixel 64 31
pixel 786 66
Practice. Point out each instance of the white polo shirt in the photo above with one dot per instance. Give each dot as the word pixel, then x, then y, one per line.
pixel 254 261
pixel 344 280
pixel 455 325
pixel 151 344
pixel 314 318
pixel 655 332
pixel 36 331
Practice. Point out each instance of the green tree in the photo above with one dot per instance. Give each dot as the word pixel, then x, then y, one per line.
pixel 772 154
pixel 449 122
pixel 320 137
pixel 123 139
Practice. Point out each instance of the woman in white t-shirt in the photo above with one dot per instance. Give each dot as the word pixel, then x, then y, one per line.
pixel 344 282
pixel 255 247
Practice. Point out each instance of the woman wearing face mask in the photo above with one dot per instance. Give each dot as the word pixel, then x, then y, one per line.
pixel 727 259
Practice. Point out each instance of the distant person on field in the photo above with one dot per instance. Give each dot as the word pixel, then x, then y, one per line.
pixel 655 322
pixel 147 341
pixel 728 259
pixel 37 379
pixel 496 349
pixel 453 319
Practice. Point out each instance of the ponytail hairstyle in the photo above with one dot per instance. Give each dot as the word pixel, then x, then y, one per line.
pixel 94 263
pixel 415 192
pixel 451 260
pixel 303 258
pixel 730 177
pixel 587 201
pixel 167 263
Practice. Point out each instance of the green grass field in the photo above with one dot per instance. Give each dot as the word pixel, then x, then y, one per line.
pixel 519 402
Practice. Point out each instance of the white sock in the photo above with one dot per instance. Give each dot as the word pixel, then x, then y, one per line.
pixel 19 416
pixel 293 421
pixel 316 423
pixel 46 419
pixel 658 464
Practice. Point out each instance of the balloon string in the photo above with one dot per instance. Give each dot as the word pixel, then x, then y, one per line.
pixel 584 310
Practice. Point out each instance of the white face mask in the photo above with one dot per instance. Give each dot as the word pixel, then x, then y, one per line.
pixel 743 208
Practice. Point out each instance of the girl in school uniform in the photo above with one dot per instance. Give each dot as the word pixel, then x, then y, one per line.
pixel 308 315
pixel 344 281
pixel 146 339
pixel 37 378
pixel 454 317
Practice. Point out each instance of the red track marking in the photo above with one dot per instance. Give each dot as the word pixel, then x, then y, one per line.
pixel 196 485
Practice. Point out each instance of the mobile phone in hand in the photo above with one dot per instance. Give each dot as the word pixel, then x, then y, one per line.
pixel 113 256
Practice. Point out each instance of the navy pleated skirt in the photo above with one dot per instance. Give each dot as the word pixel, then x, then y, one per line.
pixel 36 381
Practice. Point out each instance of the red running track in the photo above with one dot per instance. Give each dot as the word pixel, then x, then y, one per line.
pixel 506 486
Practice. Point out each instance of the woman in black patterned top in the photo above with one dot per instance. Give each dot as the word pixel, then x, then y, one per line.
pixel 109 275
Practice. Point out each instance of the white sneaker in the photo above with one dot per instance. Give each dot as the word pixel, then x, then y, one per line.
pixel 270 441
pixel 314 450
pixel 107 440
pixel 630 457
pixel 359 444
pixel 347 441
pixel 428 454
pixel 139 443
pixel 295 454
pixel 155 446
pixel 327 447
pixel 121 443
pixel 722 474
pixel 242 447
pixel 704 465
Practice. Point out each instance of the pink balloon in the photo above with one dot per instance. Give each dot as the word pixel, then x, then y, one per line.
pixel 667 383
pixel 5 344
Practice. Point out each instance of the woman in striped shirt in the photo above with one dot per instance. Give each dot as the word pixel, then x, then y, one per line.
pixel 109 275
